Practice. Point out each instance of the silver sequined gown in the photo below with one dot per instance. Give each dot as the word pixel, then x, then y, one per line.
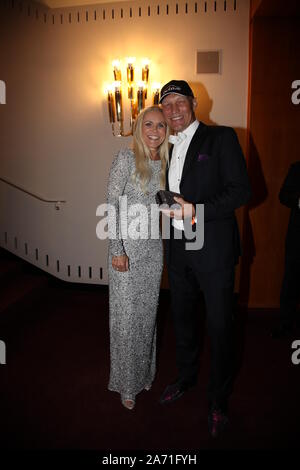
pixel 133 295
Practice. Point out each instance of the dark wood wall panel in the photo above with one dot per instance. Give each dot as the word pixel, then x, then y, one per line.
pixel 273 145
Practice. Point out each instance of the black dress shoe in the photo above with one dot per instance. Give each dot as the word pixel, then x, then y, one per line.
pixel 281 331
pixel 217 422
pixel 173 392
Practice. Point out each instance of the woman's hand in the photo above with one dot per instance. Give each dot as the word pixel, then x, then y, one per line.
pixel 120 263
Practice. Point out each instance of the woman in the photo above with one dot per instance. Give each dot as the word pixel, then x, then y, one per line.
pixel 135 263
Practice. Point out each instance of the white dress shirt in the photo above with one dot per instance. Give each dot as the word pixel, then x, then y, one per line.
pixel 181 145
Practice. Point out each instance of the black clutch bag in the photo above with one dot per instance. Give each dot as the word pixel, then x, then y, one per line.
pixel 166 197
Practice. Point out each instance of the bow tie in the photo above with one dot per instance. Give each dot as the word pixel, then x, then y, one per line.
pixel 177 139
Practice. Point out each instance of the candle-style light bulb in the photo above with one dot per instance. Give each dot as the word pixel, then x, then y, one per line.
pixel 118 101
pixel 117 71
pixel 145 70
pixel 145 74
pixel 140 97
pixel 110 102
pixel 130 92
pixel 155 90
pixel 130 70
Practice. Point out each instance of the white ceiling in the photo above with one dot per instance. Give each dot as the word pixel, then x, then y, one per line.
pixel 73 3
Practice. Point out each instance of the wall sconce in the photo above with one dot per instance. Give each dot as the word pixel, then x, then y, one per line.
pixel 135 91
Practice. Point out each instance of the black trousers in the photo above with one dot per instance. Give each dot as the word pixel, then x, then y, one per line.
pixel 185 278
pixel 290 291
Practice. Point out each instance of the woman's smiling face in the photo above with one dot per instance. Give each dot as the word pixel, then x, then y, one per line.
pixel 154 129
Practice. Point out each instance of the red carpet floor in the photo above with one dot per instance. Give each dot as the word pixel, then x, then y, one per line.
pixel 54 383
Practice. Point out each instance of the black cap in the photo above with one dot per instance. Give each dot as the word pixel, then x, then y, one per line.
pixel 179 87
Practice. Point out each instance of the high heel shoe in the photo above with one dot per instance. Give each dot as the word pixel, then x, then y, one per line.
pixel 128 403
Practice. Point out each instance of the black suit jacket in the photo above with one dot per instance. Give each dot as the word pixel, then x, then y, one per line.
pixel 215 175
pixel 289 196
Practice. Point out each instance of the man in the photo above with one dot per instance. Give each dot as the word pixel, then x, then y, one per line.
pixel 206 167
pixel 289 296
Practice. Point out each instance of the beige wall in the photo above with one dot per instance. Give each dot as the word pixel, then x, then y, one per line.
pixel 55 136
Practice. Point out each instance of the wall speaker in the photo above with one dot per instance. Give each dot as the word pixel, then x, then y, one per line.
pixel 208 62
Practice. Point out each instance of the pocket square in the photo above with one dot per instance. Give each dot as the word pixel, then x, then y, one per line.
pixel 202 157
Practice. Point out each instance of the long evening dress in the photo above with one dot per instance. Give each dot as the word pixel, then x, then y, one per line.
pixel 133 295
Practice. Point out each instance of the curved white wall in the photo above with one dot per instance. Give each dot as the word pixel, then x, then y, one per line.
pixel 55 136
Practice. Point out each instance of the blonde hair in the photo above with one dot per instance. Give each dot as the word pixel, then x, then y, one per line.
pixel 142 153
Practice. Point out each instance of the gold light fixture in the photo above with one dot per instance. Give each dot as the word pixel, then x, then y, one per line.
pixel 136 92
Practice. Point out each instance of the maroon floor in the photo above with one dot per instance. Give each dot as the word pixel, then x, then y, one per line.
pixel 53 391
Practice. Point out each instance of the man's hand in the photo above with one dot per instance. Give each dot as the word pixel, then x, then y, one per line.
pixel 187 210
pixel 120 263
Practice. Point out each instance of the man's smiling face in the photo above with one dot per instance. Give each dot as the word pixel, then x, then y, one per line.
pixel 178 111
